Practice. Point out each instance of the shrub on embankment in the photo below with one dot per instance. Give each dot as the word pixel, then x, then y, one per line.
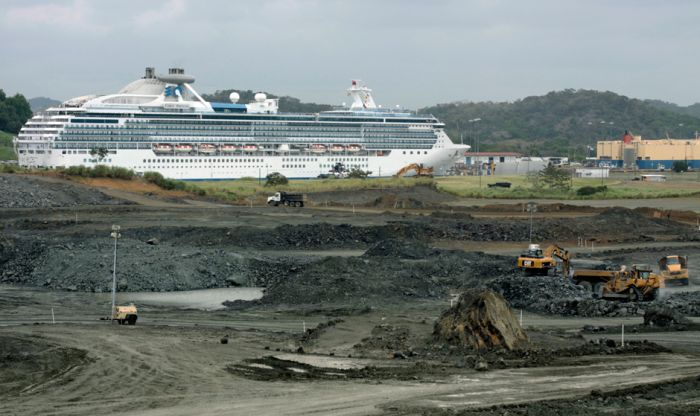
pixel 99 171
pixel 172 184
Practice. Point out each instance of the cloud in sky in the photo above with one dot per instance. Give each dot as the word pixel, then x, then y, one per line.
pixel 415 53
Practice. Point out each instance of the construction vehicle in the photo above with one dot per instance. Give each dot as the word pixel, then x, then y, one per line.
pixel 125 315
pixel 674 269
pixel 417 168
pixel 538 262
pixel 287 199
pixel 637 284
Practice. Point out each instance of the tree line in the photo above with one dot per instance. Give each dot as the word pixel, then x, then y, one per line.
pixel 14 112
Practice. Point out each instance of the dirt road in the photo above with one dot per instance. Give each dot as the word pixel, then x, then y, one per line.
pixel 149 370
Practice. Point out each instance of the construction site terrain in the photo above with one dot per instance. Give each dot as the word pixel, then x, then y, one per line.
pixel 404 302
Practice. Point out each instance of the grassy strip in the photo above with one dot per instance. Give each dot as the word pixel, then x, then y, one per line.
pixel 250 187
pixel 681 185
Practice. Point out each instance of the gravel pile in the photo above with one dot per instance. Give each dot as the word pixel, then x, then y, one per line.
pixel 401 249
pixel 25 192
pixel 87 266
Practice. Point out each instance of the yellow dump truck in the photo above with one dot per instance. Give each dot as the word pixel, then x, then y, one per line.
pixel 636 284
pixel 125 315
pixel 674 269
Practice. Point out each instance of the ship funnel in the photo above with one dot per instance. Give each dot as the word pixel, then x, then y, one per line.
pixel 150 72
pixel 176 76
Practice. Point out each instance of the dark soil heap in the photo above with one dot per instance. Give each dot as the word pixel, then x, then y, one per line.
pixel 402 249
pixel 19 191
pixel 663 316
pixel 480 321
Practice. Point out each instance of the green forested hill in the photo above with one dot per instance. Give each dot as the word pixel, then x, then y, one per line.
pixel 287 104
pixel 561 123
pixel 42 103
pixel 691 110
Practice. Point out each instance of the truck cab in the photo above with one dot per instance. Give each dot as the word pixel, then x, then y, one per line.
pixel 287 199
pixel 275 199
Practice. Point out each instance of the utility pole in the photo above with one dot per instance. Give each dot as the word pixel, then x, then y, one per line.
pixel 115 234
pixel 476 134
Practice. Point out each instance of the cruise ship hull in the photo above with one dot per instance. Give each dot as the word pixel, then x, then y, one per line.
pixel 161 124
pixel 240 165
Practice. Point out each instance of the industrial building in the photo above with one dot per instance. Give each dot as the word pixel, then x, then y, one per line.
pixel 633 152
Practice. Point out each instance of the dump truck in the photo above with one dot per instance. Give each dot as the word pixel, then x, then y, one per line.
pixel 287 199
pixel 637 284
pixel 535 261
pixel 125 315
pixel 674 269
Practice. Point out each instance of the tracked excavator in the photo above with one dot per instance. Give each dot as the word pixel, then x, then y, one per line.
pixel 538 262
pixel 418 168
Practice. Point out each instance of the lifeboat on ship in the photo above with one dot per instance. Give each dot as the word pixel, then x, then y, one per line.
pixel 354 148
pixel 206 148
pixel 249 147
pixel 162 148
pixel 229 148
pixel 318 148
pixel 183 148
pixel 337 148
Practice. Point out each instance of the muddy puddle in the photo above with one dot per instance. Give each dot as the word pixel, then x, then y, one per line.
pixel 204 299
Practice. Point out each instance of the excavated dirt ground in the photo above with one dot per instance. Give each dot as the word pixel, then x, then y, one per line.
pixel 345 323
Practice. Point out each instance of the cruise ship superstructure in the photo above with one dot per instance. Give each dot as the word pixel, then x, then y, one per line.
pixel 160 123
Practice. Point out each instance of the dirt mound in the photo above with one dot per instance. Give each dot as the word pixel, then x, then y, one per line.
pixel 663 316
pixel 542 294
pixel 480 321
pixel 401 249
pixel 687 303
pixel 376 280
pixel 18 191
pixel 386 338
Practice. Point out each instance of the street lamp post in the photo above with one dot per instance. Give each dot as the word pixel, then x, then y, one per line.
pixel 115 235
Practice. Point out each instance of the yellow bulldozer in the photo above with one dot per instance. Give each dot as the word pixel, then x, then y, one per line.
pixel 674 269
pixel 536 261
pixel 417 168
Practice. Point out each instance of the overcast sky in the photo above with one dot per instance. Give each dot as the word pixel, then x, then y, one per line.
pixel 413 53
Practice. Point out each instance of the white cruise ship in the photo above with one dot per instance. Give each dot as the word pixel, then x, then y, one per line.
pixel 160 123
